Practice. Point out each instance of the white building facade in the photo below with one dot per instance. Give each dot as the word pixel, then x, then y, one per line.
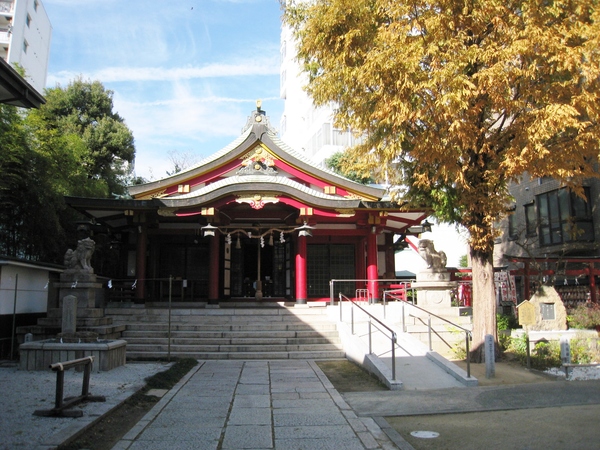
pixel 311 129
pixel 25 34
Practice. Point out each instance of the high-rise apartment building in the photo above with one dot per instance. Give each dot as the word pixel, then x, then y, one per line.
pixel 304 126
pixel 25 33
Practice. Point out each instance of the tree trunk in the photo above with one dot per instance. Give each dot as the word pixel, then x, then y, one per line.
pixel 484 304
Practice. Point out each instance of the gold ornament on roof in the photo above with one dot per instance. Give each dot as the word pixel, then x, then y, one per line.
pixel 257 201
pixel 260 161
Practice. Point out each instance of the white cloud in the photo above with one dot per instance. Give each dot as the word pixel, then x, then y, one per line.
pixel 266 66
pixel 184 122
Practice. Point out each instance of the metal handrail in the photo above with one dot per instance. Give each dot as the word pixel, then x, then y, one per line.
pixel 393 337
pixel 361 280
pixel 468 334
pixel 392 293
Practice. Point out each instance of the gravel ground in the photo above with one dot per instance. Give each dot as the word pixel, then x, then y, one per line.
pixel 577 373
pixel 23 392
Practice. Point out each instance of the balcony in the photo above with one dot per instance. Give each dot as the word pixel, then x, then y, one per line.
pixel 6 7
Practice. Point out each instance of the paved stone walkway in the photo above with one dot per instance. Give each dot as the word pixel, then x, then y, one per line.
pixel 254 405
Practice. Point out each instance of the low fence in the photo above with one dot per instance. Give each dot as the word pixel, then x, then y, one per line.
pixel 61 404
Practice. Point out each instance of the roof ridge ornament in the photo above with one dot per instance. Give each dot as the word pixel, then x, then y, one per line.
pixel 258 117
pixel 258 162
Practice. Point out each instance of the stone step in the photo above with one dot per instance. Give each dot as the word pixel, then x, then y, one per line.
pixel 231 333
pixel 230 341
pixel 307 334
pixel 327 354
pixel 87 313
pixel 81 322
pixel 106 331
pixel 217 320
pixel 319 327
pixel 232 348
pixel 191 312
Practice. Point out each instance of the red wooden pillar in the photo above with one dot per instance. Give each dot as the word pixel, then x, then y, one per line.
pixel 140 263
pixel 213 271
pixel 372 275
pixel 390 257
pixel 301 277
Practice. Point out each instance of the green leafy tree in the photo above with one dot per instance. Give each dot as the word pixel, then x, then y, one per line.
pixel 29 204
pixel 78 123
pixel 461 98
pixel 72 145
pixel 338 162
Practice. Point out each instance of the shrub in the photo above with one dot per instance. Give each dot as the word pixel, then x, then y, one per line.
pixel 584 316
pixel 503 339
pixel 506 322
pixel 546 354
pixel 542 356
pixel 584 350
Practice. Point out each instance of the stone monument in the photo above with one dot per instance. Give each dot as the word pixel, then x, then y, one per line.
pixel 83 328
pixel 549 312
pixel 433 285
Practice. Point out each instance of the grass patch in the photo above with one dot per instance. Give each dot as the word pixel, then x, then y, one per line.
pixel 347 376
pixel 171 376
pixel 110 428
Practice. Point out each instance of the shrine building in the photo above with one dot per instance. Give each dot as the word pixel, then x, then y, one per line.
pixel 256 220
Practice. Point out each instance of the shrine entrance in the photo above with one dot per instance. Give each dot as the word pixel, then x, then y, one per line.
pixel 270 263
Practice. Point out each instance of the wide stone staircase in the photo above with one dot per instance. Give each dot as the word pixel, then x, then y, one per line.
pixel 229 332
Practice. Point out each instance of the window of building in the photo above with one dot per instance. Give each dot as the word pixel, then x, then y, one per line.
pixel 25 46
pixel 35 5
pixel 28 21
pixel 326 127
pixel 530 219
pixel 341 137
pixel 564 217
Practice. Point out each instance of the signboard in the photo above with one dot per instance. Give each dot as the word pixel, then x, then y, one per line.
pixel 526 313
pixel 505 285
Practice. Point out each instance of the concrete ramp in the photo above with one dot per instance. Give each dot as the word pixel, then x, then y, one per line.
pixel 416 367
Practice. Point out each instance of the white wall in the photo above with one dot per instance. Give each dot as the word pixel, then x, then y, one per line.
pixel 38 35
pixel 32 290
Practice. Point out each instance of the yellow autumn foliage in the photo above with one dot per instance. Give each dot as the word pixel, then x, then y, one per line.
pixel 456 98
pixel 470 94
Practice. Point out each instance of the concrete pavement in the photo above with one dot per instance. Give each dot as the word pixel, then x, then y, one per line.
pixel 289 404
pixel 254 405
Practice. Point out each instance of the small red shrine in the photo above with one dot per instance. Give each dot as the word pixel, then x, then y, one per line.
pixel 255 220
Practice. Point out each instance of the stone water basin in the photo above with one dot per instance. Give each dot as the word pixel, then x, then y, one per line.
pixel 38 355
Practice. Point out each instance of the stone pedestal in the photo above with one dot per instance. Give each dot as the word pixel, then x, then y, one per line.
pixel 83 286
pixel 434 291
pixel 85 307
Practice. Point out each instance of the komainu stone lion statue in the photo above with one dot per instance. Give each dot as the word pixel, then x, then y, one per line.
pixel 435 260
pixel 79 260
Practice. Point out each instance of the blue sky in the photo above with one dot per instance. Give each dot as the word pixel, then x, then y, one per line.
pixel 185 73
